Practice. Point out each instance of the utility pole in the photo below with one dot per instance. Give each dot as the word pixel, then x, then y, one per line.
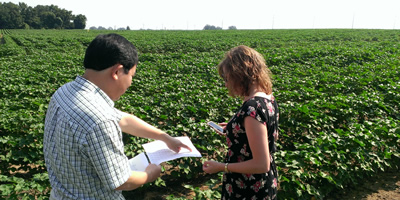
pixel 313 23
pixel 273 20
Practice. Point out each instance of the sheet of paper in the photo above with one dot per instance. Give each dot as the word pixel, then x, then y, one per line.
pixel 138 163
pixel 158 152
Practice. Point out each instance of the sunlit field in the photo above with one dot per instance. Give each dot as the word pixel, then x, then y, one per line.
pixel 338 92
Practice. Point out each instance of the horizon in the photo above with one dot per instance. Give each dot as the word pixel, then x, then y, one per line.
pixel 252 15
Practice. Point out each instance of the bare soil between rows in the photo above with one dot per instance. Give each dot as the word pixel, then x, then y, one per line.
pixel 383 186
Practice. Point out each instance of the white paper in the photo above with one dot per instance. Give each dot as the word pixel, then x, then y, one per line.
pixel 158 152
pixel 138 163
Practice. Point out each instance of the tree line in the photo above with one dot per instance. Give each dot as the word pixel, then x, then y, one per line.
pixel 212 27
pixel 22 16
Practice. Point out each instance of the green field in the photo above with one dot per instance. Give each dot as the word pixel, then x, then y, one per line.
pixel 338 92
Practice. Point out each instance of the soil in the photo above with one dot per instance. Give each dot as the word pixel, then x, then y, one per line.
pixel 383 186
pixel 175 188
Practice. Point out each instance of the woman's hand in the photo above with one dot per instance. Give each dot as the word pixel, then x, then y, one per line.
pixel 223 125
pixel 212 167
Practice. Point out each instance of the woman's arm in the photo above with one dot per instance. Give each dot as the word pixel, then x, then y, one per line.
pixel 258 140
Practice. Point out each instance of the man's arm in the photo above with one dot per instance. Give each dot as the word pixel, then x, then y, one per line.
pixel 134 126
pixel 138 179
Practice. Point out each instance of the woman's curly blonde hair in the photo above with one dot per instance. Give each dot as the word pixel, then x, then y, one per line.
pixel 241 68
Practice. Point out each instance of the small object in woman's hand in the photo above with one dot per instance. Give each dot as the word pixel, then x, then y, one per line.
pixel 216 127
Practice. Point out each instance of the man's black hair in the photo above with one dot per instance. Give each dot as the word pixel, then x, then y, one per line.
pixel 107 50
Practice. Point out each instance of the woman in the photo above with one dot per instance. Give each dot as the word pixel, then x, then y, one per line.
pixel 249 168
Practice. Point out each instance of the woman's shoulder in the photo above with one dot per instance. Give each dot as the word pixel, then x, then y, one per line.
pixel 253 103
pixel 259 98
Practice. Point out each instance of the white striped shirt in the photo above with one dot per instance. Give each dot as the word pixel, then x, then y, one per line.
pixel 83 147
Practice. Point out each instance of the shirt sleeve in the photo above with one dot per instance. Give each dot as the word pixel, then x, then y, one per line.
pixel 106 152
pixel 119 114
pixel 265 112
pixel 254 109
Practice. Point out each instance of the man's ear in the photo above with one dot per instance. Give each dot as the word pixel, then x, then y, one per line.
pixel 116 70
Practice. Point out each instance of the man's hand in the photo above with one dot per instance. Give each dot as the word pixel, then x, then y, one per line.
pixel 175 144
pixel 153 172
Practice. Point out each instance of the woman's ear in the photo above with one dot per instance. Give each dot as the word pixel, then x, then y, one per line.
pixel 116 70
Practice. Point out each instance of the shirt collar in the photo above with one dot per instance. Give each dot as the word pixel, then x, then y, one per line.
pixel 87 85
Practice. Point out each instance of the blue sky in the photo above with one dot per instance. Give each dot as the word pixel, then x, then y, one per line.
pixel 250 14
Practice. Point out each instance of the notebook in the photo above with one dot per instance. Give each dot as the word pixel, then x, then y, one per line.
pixel 157 152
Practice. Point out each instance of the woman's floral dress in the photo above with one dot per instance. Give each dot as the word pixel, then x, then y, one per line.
pixel 251 186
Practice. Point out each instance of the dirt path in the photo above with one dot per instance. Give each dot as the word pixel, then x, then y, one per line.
pixel 384 186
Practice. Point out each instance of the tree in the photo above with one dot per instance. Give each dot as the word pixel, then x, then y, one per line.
pixel 10 17
pixel 14 16
pixel 26 13
pixel 232 28
pixel 48 20
pixel 211 27
pixel 128 28
pixel 80 22
pixel 66 17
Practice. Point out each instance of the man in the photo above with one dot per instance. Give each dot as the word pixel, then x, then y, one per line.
pixel 83 147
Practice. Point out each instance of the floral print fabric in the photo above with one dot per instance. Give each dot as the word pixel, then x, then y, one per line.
pixel 251 186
